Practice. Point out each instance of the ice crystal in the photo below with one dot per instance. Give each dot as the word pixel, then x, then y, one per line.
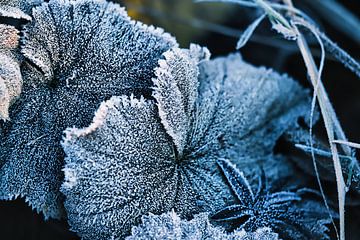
pixel 171 226
pixel 10 59
pixel 10 76
pixel 154 155
pixel 16 8
pixel 77 54
pixel 176 91
pixel 286 212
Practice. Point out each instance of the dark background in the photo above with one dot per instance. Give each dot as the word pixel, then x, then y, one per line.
pixel 217 26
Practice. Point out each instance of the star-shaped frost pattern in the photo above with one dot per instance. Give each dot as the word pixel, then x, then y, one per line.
pixel 286 212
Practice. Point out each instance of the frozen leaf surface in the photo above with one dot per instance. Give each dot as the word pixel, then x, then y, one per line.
pixel 123 166
pixel 117 169
pixel 171 226
pixel 288 213
pixel 176 89
pixel 77 54
pixel 18 9
pixel 242 111
pixel 121 169
pixel 10 76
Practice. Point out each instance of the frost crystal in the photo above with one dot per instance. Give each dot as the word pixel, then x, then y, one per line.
pixel 77 54
pixel 129 161
pixel 171 226
pixel 285 212
pixel 176 90
pixel 18 9
pixel 242 111
pixel 119 168
pixel 10 76
pixel 11 8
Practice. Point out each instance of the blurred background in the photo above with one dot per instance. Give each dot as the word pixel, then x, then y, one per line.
pixel 218 26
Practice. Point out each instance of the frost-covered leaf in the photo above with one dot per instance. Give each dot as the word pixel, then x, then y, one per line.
pixel 10 76
pixel 18 9
pixel 118 168
pixel 176 89
pixel 123 166
pixel 237 181
pixel 242 111
pixel 9 38
pixel 171 226
pixel 229 91
pixel 77 54
pixel 291 214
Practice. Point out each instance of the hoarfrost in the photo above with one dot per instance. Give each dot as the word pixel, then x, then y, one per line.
pixel 291 214
pixel 171 226
pixel 126 162
pixel 166 117
pixel 10 76
pixel 18 9
pixel 77 54
pixel 176 90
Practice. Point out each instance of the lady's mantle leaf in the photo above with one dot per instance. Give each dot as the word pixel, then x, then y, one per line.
pixel 290 214
pixel 171 226
pixel 77 54
pixel 10 76
pixel 124 165
pixel 176 89
pixel 242 111
pixel 119 168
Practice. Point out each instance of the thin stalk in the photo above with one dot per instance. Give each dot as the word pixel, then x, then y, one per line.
pixel 274 14
pixel 324 106
pixel 327 112
pixel 296 22
pixel 350 144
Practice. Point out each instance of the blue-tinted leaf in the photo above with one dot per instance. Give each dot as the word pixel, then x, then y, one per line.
pixel 77 54
pixel 242 111
pixel 232 212
pixel 237 181
pixel 118 168
pixel 281 197
pixel 176 90
pixel 124 165
pixel 285 212
pixel 10 76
